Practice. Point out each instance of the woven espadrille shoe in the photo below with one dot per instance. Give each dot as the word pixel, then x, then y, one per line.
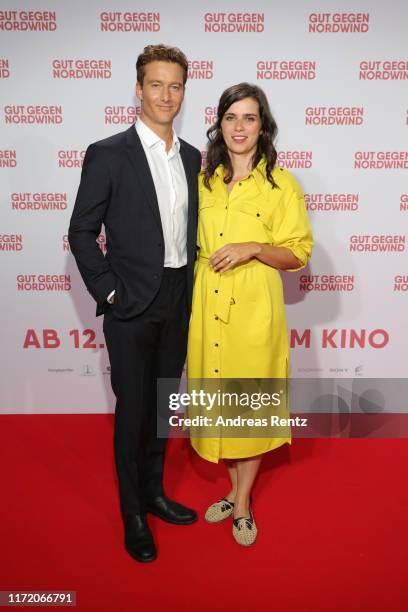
pixel 219 511
pixel 244 530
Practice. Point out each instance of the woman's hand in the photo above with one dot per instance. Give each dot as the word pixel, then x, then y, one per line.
pixel 233 254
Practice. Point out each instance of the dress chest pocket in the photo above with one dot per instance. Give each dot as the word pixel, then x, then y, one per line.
pixel 206 202
pixel 256 212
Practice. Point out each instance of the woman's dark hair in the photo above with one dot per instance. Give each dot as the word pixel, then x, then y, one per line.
pixel 217 151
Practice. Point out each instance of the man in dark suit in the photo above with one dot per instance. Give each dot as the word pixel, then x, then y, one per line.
pixel 142 185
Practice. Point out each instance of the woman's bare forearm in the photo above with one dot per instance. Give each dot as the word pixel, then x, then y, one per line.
pixel 276 257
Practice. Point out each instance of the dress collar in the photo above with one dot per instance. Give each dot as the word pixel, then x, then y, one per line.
pixel 258 173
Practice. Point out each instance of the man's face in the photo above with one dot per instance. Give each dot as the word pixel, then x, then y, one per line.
pixel 161 94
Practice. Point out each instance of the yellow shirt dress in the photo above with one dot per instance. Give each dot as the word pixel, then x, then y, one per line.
pixel 238 326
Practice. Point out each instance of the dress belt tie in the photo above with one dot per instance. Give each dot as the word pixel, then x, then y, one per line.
pixel 225 295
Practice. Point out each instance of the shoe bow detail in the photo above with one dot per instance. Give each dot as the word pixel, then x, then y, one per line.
pixel 242 522
pixel 225 505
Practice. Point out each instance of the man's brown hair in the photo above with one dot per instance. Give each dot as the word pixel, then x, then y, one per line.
pixel 160 53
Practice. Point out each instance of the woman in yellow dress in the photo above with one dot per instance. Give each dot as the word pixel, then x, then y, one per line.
pixel 252 223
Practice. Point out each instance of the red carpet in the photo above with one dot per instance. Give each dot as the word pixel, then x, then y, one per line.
pixel 331 514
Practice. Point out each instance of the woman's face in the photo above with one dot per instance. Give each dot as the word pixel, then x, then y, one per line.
pixel 241 126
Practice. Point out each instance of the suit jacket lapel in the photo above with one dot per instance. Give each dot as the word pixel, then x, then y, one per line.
pixel 141 166
pixel 191 171
pixel 191 175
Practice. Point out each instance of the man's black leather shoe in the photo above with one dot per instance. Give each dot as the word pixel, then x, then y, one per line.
pixel 170 511
pixel 139 541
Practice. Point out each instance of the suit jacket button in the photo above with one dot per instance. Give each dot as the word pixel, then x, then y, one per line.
pixel 155 276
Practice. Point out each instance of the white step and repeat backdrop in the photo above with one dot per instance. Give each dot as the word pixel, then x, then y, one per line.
pixel 336 77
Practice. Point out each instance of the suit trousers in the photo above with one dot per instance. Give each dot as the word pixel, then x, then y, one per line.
pixel 141 350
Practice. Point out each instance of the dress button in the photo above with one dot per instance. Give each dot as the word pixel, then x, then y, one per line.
pixel 240 184
pixel 215 290
pixel 216 371
pixel 221 234
pixel 215 317
pixel 216 344
pixel 258 215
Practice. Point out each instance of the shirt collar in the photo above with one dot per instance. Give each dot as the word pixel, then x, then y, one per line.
pixel 258 173
pixel 151 139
